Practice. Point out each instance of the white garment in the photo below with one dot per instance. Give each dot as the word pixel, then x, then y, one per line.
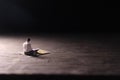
pixel 27 46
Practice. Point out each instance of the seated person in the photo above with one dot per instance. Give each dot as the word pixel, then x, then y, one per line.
pixel 28 49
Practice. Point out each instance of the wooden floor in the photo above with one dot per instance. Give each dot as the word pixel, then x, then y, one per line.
pixel 69 55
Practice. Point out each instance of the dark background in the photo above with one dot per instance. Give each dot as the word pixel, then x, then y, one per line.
pixel 111 4
pixel 51 16
pixel 111 15
pixel 33 16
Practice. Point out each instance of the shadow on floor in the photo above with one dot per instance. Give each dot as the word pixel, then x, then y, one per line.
pixel 37 55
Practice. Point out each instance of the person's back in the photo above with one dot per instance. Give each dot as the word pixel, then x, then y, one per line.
pixel 27 46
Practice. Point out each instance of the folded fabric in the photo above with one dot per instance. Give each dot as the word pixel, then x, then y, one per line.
pixel 40 51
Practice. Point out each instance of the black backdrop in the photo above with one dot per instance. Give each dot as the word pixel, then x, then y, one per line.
pixel 52 16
